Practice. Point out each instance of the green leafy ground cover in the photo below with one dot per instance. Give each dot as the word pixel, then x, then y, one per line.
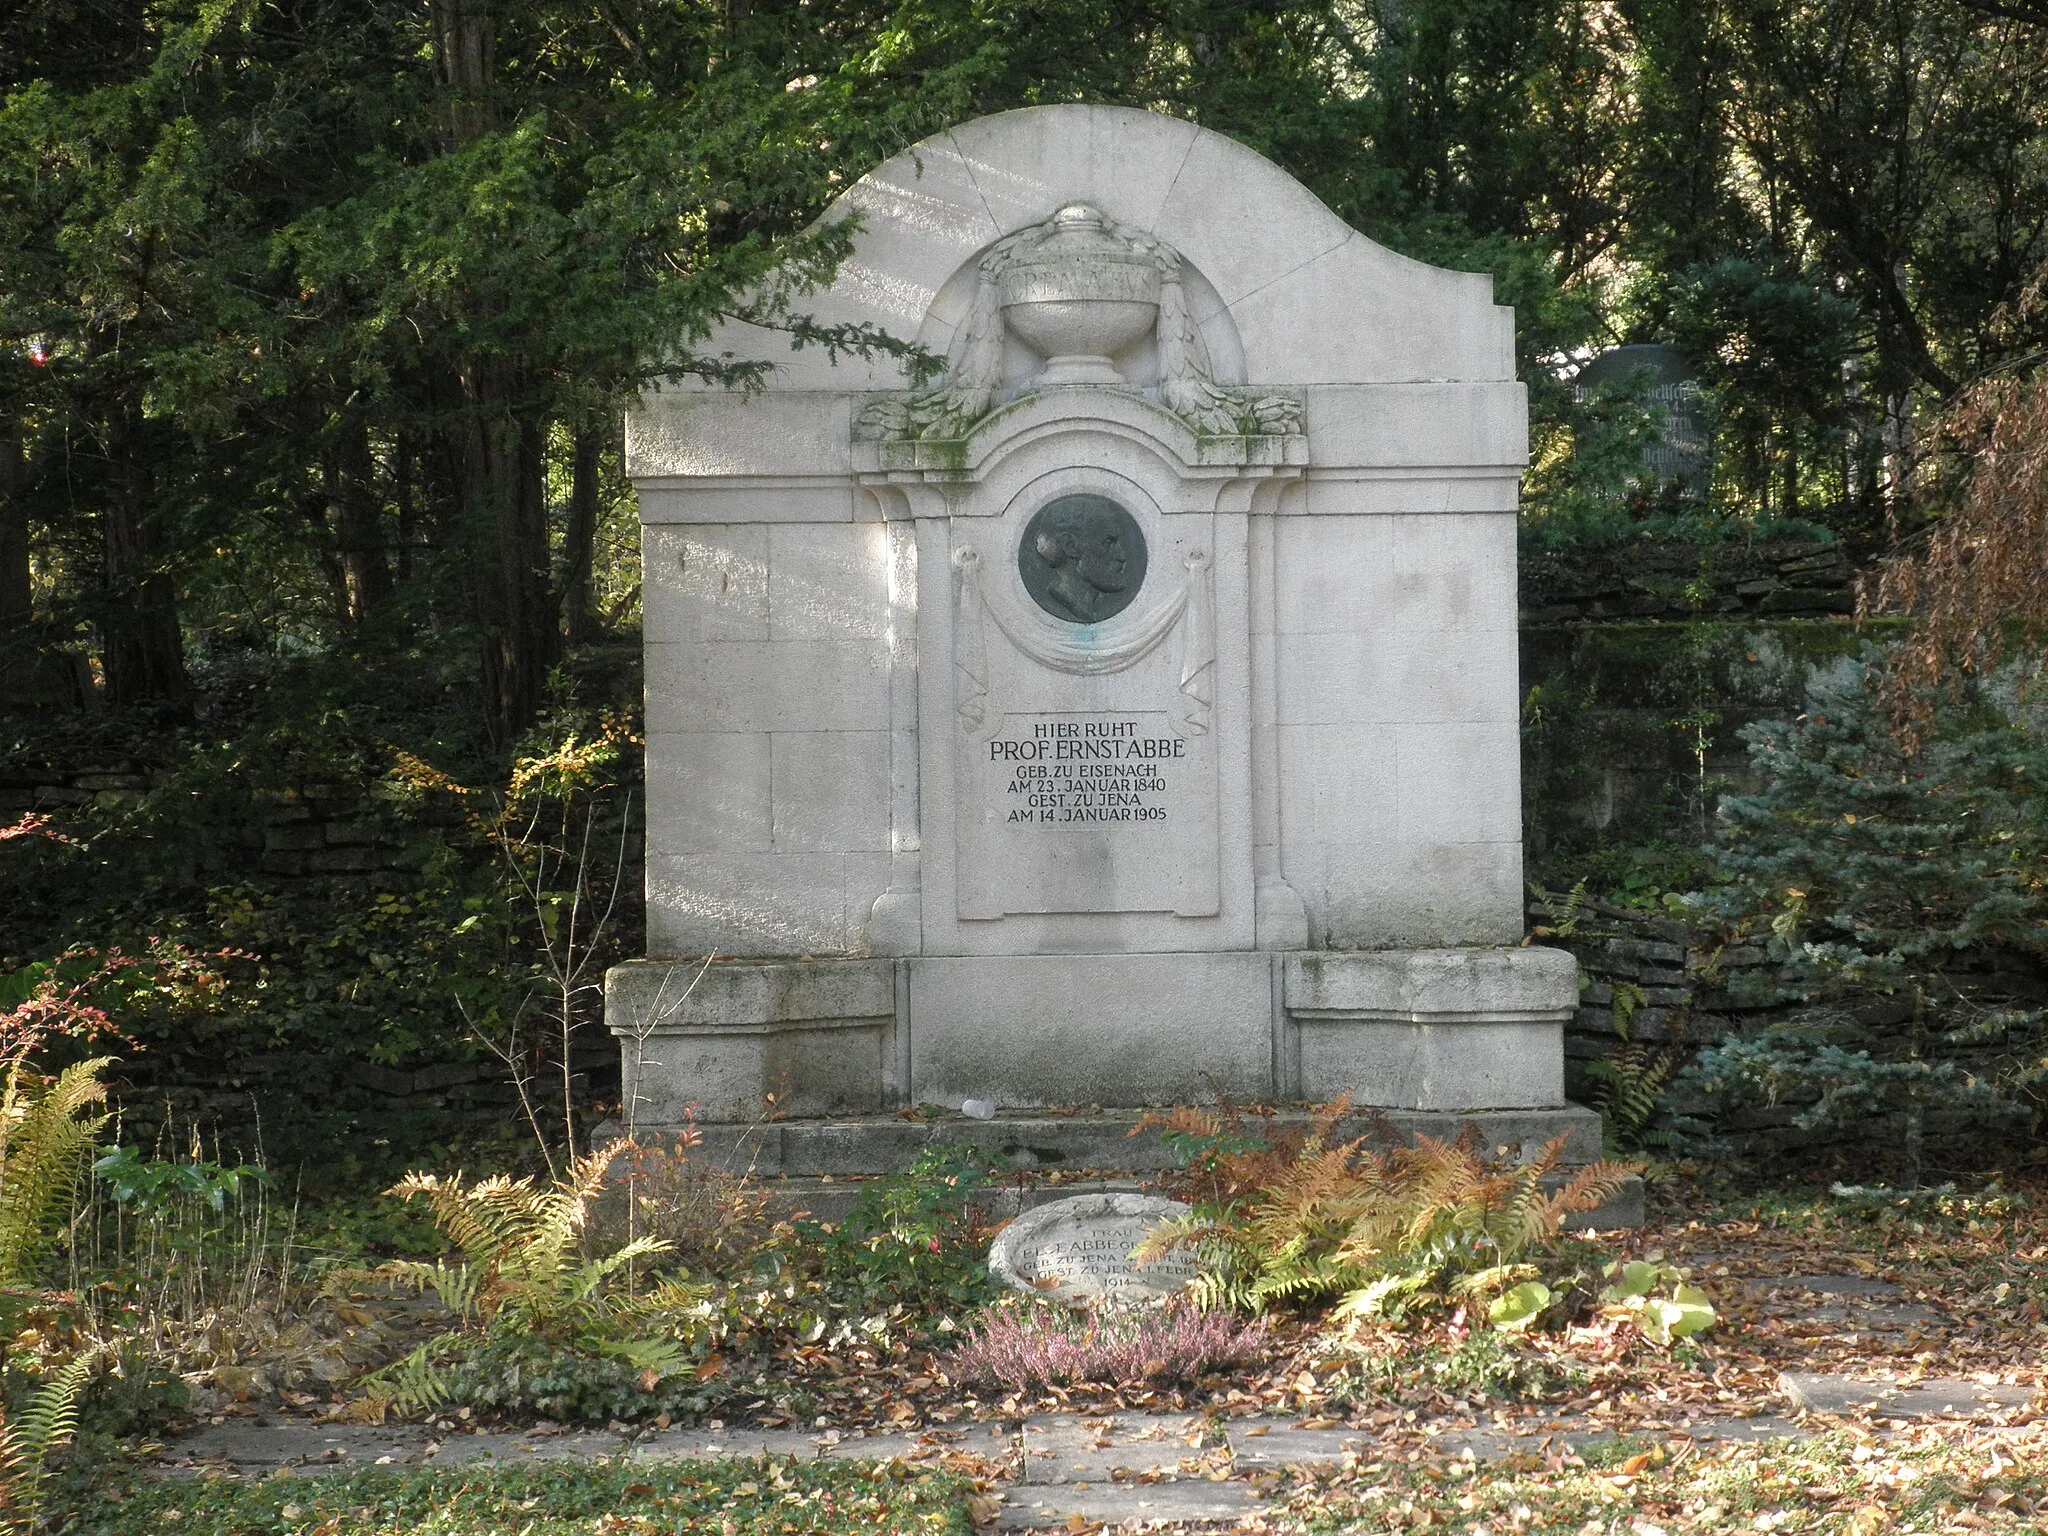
pixel 1841 1483
pixel 733 1498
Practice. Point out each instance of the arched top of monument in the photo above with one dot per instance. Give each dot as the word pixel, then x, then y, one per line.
pixel 1312 300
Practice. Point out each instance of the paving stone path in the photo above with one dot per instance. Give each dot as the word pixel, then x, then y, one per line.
pixel 1852 1305
pixel 1139 1468
pixel 1114 1469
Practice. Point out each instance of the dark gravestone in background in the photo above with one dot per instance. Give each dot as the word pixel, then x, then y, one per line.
pixel 1682 452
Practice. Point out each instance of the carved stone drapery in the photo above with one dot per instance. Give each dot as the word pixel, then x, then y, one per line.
pixel 1087 650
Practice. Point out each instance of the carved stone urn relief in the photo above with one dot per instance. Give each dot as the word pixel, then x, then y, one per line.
pixel 1078 295
pixel 1089 483
pixel 1080 291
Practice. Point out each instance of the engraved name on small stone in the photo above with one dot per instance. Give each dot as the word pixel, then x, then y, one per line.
pixel 1079 1249
pixel 1104 1257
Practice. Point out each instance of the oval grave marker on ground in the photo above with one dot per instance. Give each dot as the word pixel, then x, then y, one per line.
pixel 1079 1249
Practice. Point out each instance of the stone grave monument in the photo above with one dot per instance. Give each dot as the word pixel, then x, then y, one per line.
pixel 1128 715
pixel 1682 453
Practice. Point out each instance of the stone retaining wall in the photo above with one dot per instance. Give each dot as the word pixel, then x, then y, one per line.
pixel 1632 731
pixel 312 830
pixel 1681 582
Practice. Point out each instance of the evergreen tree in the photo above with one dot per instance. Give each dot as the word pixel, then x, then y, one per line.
pixel 1901 893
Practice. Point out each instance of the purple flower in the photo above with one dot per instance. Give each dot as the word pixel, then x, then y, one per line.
pixel 1025 1347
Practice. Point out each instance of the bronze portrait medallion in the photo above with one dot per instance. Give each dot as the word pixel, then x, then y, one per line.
pixel 1082 558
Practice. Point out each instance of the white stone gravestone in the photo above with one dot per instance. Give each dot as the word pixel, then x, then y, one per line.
pixel 1128 716
pixel 1079 1250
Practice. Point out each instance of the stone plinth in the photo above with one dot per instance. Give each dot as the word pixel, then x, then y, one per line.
pixel 734 1043
pixel 1439 1029
pixel 1450 1029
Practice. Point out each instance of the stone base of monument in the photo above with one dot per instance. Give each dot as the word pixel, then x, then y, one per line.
pixel 819 1165
pixel 815 1072
pixel 1459 1030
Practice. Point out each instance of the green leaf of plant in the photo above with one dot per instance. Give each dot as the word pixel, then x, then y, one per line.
pixel 1519 1306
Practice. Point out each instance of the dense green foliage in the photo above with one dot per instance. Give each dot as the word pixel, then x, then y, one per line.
pixel 1902 895
pixel 429 948
pixel 304 305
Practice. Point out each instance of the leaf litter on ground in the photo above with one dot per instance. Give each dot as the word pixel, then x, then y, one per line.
pixel 1979 1275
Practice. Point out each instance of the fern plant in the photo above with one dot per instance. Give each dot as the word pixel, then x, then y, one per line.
pixel 47 1421
pixel 1313 1219
pixel 523 1292
pixel 1632 1079
pixel 47 1126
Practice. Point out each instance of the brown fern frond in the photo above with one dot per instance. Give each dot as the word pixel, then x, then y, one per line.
pixel 1308 1214
pixel 1592 1187
pixel 1181 1120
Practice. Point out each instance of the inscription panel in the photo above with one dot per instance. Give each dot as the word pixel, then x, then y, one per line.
pixel 1089 811
pixel 1088 770
pixel 1098 1259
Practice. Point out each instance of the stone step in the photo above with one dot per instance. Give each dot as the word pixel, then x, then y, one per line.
pixel 818 1165
pixel 832 1198
pixel 1095 1139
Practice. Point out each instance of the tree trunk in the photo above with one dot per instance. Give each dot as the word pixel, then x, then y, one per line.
pixel 357 515
pixel 505 498
pixel 405 497
pixel 504 444
pixel 15 604
pixel 465 47
pixel 142 647
pixel 580 538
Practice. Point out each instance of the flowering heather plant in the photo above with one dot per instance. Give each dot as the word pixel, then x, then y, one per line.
pixel 1025 1345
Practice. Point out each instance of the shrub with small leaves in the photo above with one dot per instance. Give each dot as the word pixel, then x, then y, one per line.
pixel 1029 1346
pixel 1484 1363
pixel 910 1242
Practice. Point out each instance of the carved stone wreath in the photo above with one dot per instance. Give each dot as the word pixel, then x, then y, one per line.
pixel 1077 260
